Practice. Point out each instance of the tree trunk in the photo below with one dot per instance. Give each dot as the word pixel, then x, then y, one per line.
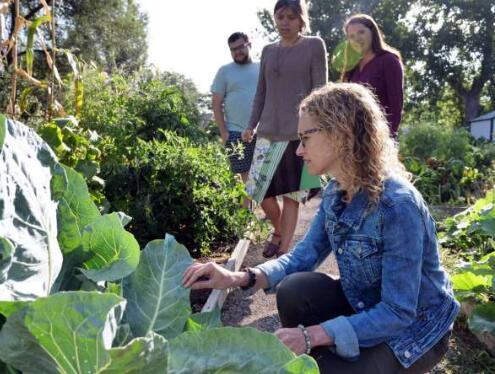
pixel 471 106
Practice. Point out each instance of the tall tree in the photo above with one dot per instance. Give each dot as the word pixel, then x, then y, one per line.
pixel 457 38
pixel 111 33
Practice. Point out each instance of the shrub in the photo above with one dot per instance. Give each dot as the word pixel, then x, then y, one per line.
pixel 425 141
pixel 76 147
pixel 137 106
pixel 448 164
pixel 182 188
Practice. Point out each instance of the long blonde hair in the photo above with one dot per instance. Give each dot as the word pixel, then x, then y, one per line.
pixel 350 114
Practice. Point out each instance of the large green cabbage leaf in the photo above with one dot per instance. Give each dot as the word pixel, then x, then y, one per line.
pixel 72 332
pixel 76 210
pixel 483 318
pixel 234 350
pixel 147 355
pixel 30 255
pixel 69 332
pixel 156 299
pixel 204 320
pixel 98 244
pixel 114 251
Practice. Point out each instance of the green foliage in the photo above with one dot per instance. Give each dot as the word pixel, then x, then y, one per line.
pixel 197 345
pixel 471 235
pixel 182 188
pixel 53 203
pixel 77 148
pixel 472 231
pixel 122 109
pixel 81 331
pixel 155 285
pixel 475 283
pixel 447 164
pixel 483 318
pixel 427 140
pixel 124 119
pixel 94 29
pixel 117 40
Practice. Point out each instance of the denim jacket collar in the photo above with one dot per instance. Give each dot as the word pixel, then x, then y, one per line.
pixel 354 212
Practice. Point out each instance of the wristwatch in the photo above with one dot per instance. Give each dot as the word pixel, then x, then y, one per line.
pixel 252 279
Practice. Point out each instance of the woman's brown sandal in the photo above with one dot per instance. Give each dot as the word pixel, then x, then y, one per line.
pixel 271 248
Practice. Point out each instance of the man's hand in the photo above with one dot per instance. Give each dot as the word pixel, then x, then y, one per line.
pixel 224 134
pixel 211 275
pixel 293 338
pixel 247 135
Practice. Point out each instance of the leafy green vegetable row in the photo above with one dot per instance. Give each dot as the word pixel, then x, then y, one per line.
pixel 78 295
pixel 472 233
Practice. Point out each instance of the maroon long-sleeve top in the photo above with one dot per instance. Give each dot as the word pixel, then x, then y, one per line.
pixel 385 76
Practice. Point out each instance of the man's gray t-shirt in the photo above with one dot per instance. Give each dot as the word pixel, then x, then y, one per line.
pixel 237 85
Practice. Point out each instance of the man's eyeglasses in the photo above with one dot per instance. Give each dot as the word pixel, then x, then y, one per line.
pixel 239 48
pixel 302 135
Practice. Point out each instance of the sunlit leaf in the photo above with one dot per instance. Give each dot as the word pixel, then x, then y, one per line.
pixel 23 99
pixel 30 41
pixel 79 95
pixel 114 251
pixel 345 58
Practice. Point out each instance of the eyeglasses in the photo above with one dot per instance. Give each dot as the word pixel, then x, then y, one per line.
pixel 239 48
pixel 302 135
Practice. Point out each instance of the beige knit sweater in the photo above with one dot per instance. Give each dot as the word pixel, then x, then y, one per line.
pixel 287 75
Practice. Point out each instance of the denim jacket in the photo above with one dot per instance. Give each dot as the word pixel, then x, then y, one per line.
pixel 389 270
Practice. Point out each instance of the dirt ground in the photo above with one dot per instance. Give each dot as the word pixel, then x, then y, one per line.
pixel 243 308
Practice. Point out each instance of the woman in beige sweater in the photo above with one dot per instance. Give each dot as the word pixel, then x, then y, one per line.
pixel 290 69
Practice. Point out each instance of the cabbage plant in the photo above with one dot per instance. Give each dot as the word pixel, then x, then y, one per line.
pixel 77 294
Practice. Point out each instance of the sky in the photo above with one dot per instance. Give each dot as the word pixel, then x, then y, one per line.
pixel 190 36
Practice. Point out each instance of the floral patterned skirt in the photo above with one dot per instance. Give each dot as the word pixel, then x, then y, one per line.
pixel 276 170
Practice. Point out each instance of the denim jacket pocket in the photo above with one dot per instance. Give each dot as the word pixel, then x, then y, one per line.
pixel 365 261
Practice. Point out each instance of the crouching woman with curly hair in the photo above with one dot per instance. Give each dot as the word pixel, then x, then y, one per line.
pixel 392 309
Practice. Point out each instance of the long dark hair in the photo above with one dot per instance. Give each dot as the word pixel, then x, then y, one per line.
pixel 378 44
pixel 297 6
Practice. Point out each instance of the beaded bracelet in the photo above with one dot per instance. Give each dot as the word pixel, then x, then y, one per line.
pixel 306 339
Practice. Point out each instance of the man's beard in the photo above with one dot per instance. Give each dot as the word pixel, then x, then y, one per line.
pixel 244 61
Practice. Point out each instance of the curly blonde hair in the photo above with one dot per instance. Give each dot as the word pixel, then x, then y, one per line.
pixel 350 114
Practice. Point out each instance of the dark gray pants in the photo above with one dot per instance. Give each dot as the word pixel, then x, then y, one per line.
pixel 309 298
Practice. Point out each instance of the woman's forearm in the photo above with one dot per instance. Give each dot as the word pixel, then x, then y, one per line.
pixel 318 336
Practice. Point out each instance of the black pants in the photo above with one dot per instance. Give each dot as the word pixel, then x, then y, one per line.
pixel 309 298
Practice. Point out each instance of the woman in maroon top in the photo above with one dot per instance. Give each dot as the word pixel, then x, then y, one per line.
pixel 380 68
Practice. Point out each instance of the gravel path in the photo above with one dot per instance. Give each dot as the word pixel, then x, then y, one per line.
pixel 243 308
